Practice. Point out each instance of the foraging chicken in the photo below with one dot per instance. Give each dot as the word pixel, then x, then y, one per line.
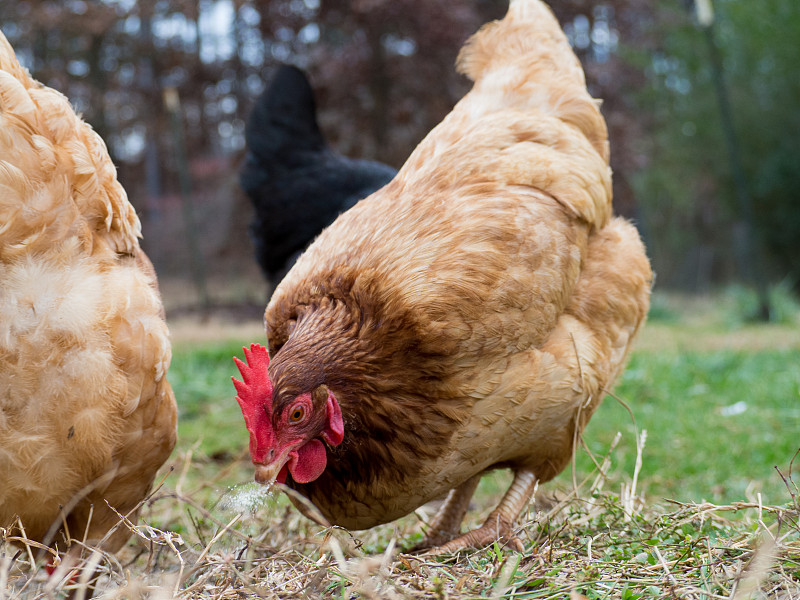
pixel 296 183
pixel 469 316
pixel 86 413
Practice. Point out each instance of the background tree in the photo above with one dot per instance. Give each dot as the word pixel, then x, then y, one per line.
pixel 688 190
pixel 383 74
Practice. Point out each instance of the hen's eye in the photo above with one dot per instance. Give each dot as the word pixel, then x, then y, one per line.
pixel 297 414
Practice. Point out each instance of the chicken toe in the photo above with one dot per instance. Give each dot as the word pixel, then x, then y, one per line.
pixel 499 525
pixel 446 524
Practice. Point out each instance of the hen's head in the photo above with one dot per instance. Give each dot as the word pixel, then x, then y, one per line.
pixel 290 438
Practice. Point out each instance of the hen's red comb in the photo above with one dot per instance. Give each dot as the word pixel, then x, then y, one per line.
pixel 255 399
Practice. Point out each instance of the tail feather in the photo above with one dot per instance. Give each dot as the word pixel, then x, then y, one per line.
pixel 528 120
pixel 284 118
pixel 527 27
pixel 528 52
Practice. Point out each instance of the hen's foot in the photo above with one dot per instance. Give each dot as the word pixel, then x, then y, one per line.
pixel 446 523
pixel 499 525
pixel 483 536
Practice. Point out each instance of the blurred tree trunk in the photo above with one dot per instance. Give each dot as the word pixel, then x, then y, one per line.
pixel 98 84
pixel 148 87
pixel 379 87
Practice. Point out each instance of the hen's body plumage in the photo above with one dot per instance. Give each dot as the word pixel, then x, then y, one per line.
pixel 471 314
pixel 86 413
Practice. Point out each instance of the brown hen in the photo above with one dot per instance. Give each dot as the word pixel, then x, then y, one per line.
pixel 470 316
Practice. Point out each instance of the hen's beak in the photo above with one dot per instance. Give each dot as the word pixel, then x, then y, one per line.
pixel 267 474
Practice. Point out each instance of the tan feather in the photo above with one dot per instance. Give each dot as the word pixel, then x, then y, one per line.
pixel 86 414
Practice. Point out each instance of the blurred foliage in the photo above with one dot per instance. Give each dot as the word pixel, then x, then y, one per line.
pixel 383 74
pixel 208 414
pixel 687 189
pixel 743 304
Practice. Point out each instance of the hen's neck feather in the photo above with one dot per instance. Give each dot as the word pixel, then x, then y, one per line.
pixel 394 419
pixel 320 347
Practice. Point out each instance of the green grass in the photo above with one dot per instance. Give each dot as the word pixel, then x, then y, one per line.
pixel 717 423
pixel 208 413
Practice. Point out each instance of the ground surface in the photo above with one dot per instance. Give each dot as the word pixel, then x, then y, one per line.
pixel 694 496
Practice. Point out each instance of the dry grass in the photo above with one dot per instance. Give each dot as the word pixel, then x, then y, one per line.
pixel 205 540
pixel 203 536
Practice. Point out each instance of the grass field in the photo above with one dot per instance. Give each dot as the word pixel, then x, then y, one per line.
pixel 709 408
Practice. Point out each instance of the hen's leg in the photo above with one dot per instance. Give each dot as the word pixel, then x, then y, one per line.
pixel 501 521
pixel 447 522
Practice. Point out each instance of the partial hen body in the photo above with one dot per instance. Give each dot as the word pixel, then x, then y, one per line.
pixel 86 413
pixel 472 314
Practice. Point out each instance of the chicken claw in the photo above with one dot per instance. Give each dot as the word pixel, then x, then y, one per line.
pixel 499 525
pixel 447 521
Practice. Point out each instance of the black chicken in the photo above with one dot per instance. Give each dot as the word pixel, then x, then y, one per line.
pixel 297 184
